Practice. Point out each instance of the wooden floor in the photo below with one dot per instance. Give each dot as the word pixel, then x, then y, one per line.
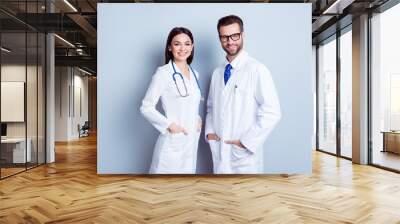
pixel 387 159
pixel 5 172
pixel 70 191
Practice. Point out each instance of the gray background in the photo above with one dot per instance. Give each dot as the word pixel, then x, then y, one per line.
pixel 131 42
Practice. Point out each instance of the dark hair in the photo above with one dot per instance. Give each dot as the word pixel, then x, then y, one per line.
pixel 176 31
pixel 228 20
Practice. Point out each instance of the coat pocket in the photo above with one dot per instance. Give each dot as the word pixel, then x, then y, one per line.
pixel 240 101
pixel 240 153
pixel 240 158
pixel 175 142
pixel 241 93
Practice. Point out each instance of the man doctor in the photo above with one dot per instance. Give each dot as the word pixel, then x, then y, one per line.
pixel 242 107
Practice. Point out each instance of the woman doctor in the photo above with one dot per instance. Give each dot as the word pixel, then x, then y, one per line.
pixel 176 83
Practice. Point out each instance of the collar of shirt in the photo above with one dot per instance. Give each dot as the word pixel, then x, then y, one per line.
pixel 179 70
pixel 238 61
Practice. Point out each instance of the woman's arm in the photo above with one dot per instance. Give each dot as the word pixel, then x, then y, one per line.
pixel 149 102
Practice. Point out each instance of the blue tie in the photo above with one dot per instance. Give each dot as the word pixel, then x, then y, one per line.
pixel 227 72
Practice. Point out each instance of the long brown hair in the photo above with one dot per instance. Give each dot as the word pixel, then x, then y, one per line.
pixel 176 31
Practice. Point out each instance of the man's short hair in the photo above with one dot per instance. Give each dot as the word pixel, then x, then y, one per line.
pixel 228 20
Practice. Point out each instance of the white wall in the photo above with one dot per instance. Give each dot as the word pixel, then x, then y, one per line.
pixel 61 103
pixel 12 73
pixel 79 117
pixel 70 83
pixel 33 126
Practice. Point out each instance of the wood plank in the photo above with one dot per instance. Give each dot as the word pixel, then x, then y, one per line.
pixel 70 191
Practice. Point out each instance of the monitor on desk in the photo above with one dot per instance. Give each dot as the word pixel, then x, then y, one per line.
pixel 3 130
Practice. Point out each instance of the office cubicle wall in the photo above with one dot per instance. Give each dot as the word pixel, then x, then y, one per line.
pixel 12 98
pixel 22 77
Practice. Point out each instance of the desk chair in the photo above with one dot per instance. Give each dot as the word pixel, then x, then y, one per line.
pixel 84 130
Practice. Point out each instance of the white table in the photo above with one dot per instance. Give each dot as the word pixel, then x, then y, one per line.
pixel 19 155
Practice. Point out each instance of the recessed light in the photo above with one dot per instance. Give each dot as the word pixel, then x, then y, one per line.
pixel 70 5
pixel 84 71
pixel 64 40
pixel 5 50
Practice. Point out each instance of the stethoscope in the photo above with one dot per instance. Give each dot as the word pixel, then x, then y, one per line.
pixel 183 80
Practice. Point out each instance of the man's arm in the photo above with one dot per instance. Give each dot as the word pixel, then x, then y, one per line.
pixel 268 111
pixel 209 128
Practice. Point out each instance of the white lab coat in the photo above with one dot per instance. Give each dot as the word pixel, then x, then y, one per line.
pixel 173 153
pixel 246 109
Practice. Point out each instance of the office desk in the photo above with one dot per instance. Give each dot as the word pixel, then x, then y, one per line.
pixel 391 141
pixel 15 148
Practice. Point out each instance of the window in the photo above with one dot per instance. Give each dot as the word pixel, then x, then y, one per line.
pixel 385 88
pixel 327 96
pixel 346 93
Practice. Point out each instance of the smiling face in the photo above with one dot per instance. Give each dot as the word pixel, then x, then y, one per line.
pixel 231 39
pixel 181 47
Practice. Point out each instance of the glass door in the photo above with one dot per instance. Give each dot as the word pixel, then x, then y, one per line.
pixel 14 154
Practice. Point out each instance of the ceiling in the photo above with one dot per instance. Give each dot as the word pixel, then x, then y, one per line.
pixel 76 22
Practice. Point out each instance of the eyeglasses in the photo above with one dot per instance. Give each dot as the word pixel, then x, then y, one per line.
pixel 234 37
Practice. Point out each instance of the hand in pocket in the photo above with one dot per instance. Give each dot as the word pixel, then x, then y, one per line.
pixel 174 129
